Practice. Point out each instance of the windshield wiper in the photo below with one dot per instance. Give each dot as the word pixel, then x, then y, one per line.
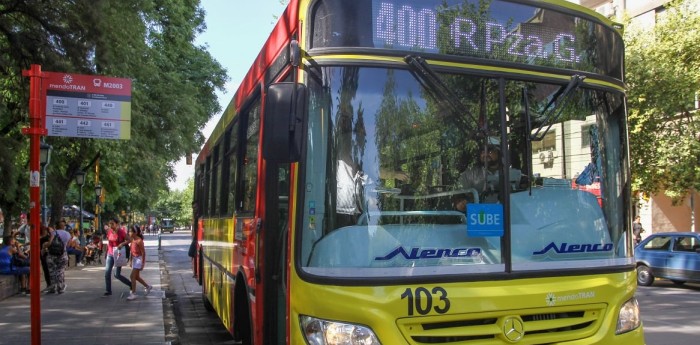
pixel 437 89
pixel 528 139
pixel 552 114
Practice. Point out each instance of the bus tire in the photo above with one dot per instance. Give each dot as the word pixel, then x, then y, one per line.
pixel 242 330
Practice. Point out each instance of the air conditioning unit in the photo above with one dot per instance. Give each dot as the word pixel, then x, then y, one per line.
pixel 547 157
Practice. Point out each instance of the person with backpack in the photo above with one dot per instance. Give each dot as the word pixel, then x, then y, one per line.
pixel 116 239
pixel 57 258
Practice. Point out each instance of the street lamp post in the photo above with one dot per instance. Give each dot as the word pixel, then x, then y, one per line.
pixel 44 160
pixel 80 180
pixel 98 194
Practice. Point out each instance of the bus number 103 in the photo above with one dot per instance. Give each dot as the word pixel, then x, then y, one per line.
pixel 422 300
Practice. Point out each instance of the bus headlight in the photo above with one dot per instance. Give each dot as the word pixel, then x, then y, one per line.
pixel 628 319
pixel 324 332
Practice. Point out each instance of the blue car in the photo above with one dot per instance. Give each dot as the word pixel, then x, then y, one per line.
pixel 670 255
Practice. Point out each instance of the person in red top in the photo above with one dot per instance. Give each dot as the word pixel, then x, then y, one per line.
pixel 116 238
pixel 138 261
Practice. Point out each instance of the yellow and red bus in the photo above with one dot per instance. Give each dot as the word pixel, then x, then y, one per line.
pixel 423 172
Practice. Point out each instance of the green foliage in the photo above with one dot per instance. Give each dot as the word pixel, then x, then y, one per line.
pixel 663 75
pixel 177 204
pixel 173 84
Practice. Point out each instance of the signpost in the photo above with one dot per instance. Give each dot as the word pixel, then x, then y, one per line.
pixel 87 106
pixel 35 130
pixel 68 105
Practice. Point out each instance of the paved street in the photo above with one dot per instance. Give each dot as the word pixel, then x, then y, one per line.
pixel 186 320
pixel 670 313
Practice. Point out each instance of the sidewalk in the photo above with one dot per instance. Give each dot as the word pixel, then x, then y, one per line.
pixel 82 315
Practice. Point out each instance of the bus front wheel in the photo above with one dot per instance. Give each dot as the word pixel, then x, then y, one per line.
pixel 242 330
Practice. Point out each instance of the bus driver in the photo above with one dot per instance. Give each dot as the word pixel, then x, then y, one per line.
pixel 484 177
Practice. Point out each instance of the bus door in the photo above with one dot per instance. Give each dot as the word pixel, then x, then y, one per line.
pixel 275 234
pixel 281 145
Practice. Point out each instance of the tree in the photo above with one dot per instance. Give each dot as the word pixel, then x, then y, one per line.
pixel 150 42
pixel 663 75
pixel 177 204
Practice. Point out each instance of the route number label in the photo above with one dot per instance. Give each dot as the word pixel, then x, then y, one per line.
pixel 422 301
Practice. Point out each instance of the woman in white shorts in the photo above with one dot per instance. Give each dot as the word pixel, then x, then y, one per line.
pixel 138 261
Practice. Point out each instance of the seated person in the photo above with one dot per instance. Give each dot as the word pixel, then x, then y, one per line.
pixel 74 248
pixel 90 249
pixel 7 250
pixel 459 202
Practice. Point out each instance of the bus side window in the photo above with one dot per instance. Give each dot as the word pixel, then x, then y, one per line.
pixel 250 159
pixel 232 169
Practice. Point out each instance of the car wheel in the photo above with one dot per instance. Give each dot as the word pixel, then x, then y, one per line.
pixel 644 276
pixel 678 282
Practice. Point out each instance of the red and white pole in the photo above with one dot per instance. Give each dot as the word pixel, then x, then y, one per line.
pixel 37 128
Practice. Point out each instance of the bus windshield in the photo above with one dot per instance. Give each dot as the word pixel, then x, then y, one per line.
pixel 398 185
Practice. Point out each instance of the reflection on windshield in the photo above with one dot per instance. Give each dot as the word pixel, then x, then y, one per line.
pixel 397 185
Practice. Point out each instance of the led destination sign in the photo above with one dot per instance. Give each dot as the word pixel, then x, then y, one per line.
pixel 416 28
pixel 497 30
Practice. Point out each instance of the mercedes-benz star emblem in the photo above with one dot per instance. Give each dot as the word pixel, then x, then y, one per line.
pixel 513 329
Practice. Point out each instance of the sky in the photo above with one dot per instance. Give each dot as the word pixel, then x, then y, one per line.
pixel 236 31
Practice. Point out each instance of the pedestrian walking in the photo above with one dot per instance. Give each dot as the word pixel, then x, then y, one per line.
pixel 116 238
pixel 637 230
pixel 57 258
pixel 138 261
pixel 44 237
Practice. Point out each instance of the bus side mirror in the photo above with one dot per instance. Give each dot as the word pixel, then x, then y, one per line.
pixel 285 106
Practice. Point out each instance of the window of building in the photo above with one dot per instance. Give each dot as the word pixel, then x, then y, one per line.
pixel 549 142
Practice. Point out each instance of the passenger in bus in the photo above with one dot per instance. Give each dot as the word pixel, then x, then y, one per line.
pixel 459 202
pixel 349 197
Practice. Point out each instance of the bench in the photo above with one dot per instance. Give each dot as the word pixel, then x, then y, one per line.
pixel 9 286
